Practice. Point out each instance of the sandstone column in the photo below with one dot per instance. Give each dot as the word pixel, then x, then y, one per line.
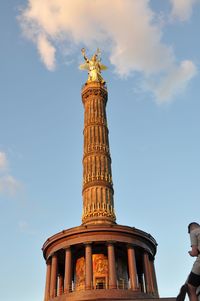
pixel 68 270
pixel 88 266
pixel 155 286
pixel 47 285
pixel 148 274
pixel 132 267
pixel 112 282
pixel 53 281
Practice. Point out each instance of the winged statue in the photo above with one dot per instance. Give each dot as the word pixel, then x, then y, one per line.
pixel 93 66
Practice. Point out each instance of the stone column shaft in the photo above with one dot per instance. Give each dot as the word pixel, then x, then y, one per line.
pixel 53 282
pixel 88 266
pixel 155 286
pixel 132 268
pixel 148 274
pixel 68 270
pixel 48 278
pixel 97 173
pixel 112 283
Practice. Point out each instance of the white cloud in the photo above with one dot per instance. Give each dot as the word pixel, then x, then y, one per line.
pixel 8 184
pixel 182 9
pixel 24 227
pixel 3 161
pixel 127 30
pixel 175 82
pixel 47 52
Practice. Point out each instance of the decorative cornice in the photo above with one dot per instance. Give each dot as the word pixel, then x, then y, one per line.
pixel 98 90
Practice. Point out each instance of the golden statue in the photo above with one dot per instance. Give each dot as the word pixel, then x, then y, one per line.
pixel 93 66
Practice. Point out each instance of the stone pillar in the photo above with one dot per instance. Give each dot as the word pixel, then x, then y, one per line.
pixel 148 274
pixel 97 172
pixel 112 282
pixel 53 281
pixel 68 270
pixel 60 284
pixel 132 267
pixel 88 266
pixel 155 286
pixel 47 285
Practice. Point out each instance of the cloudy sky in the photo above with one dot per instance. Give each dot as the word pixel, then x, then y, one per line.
pixel 151 48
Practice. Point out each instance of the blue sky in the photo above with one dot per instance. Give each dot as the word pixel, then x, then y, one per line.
pixel 152 51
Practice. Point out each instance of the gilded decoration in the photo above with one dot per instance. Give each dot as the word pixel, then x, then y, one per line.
pixel 93 66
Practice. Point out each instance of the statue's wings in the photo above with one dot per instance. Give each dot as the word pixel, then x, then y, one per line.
pixel 84 66
pixel 103 67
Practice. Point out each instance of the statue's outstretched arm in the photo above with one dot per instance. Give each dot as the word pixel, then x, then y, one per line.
pixel 84 55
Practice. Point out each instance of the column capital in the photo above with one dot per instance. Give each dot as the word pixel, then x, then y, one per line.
pixel 130 246
pixel 48 260
pixel 67 247
pixel 53 254
pixel 111 242
pixel 88 243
